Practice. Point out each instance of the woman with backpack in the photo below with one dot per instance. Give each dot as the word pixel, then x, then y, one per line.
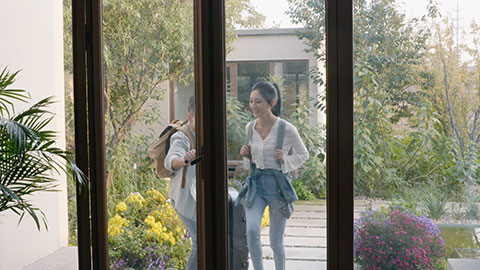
pixel 269 139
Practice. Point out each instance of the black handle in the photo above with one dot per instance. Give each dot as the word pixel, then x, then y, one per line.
pixel 194 161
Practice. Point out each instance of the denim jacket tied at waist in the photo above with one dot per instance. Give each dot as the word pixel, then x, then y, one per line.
pixel 247 193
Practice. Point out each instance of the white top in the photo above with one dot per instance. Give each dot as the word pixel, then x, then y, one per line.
pixel 185 198
pixel 263 150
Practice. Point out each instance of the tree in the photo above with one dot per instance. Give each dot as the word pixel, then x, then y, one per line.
pixel 387 49
pixel 147 43
pixel 455 94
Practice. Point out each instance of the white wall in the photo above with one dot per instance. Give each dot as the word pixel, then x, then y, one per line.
pixel 32 40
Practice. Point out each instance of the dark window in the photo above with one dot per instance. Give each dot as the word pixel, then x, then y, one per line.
pixel 247 75
pixel 292 77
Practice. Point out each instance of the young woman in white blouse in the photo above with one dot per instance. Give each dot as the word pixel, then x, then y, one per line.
pixel 269 179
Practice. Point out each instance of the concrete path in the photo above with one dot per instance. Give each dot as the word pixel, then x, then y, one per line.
pixel 305 237
pixel 305 241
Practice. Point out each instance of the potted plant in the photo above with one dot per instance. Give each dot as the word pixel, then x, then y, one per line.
pixel 28 155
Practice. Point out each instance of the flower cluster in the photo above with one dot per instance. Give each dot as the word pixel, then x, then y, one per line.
pixel 136 199
pixel 158 231
pixel 145 232
pixel 116 225
pixel 394 238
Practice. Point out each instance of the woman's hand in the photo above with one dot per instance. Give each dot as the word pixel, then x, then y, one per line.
pixel 245 151
pixel 279 155
pixel 189 156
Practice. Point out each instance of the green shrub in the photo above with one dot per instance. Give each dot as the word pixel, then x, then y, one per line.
pixel 471 204
pixel 457 212
pixel 434 204
pixel 302 190
pixel 410 205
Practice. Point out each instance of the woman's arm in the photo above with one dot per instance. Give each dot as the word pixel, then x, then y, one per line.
pixel 299 155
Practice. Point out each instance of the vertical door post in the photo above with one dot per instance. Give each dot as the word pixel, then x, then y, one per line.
pixel 210 96
pixel 90 133
pixel 339 43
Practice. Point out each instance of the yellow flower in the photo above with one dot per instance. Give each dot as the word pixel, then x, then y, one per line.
pixel 121 207
pixel 156 195
pixel 159 231
pixel 266 217
pixel 115 225
pixel 136 199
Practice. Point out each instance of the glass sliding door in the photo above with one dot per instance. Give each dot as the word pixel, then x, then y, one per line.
pixel 149 83
pixel 416 135
pixel 265 48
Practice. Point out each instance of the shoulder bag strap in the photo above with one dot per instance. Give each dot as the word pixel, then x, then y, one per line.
pixel 280 134
pixel 186 130
pixel 249 138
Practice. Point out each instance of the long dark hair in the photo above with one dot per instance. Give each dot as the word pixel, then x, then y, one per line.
pixel 269 91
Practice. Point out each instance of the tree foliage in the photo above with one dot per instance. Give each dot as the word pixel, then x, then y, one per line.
pixel 147 44
pixel 397 142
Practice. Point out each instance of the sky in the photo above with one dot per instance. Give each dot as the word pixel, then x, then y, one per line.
pixel 468 10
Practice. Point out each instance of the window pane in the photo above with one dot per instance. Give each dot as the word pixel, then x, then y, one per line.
pixel 148 84
pixel 277 55
pixel 248 74
pixel 416 135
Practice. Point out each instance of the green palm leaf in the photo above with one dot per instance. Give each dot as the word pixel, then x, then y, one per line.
pixel 29 159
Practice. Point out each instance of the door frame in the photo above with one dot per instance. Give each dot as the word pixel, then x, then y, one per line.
pixel 210 96
pixel 89 124
pixel 339 91
pixel 210 123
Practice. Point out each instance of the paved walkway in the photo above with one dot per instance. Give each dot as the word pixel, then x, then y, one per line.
pixel 305 241
pixel 305 237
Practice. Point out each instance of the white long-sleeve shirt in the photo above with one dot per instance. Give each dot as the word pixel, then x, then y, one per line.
pixel 185 198
pixel 263 150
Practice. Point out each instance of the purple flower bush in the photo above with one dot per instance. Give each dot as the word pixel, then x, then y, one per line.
pixel 154 259
pixel 395 238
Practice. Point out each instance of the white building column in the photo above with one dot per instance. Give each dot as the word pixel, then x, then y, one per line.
pixel 32 41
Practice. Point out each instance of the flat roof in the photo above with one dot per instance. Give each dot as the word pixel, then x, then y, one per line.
pixel 268 31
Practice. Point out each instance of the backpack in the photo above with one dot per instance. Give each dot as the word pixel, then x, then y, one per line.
pixel 159 150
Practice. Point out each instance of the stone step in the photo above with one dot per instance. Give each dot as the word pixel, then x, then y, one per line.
pixel 316 215
pixel 294 265
pixel 463 264
pixel 306 254
pixel 324 202
pixel 322 208
pixel 303 222
pixel 298 241
pixel 299 231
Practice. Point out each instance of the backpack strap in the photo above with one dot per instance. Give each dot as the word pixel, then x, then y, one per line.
pixel 249 138
pixel 186 130
pixel 280 133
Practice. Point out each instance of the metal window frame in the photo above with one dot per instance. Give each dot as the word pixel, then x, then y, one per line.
pixel 339 75
pixel 90 133
pixel 210 95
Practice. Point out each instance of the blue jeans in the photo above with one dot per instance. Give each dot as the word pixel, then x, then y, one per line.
pixel 191 224
pixel 268 193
